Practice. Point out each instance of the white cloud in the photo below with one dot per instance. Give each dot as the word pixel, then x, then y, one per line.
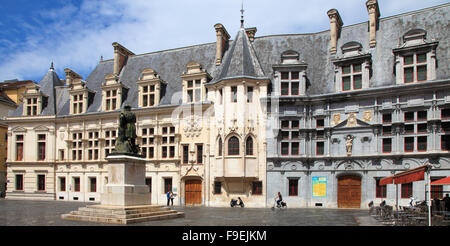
pixel 77 36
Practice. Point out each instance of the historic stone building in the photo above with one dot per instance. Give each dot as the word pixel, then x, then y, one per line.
pixel 318 117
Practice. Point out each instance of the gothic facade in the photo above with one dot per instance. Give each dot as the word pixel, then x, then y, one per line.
pixel 319 117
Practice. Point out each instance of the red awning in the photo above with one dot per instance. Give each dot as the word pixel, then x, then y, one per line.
pixel 387 180
pixel 443 181
pixel 408 176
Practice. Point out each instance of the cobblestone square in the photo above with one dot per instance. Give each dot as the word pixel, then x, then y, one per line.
pixel 48 213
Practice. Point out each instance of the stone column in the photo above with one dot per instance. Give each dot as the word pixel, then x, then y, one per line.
pixel 335 28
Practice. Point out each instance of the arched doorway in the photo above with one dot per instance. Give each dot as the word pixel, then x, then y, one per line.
pixel 193 191
pixel 349 191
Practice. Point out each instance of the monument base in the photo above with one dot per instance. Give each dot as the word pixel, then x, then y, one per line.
pixel 126 198
pixel 122 214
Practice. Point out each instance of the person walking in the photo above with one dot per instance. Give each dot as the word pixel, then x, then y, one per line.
pixel 168 197
pixel 171 199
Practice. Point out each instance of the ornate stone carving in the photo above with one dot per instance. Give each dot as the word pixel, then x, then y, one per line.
pixel 336 119
pixel 351 121
pixel 367 116
pixel 349 144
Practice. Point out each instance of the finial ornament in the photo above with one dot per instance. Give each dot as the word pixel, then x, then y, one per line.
pixel 51 66
pixel 242 14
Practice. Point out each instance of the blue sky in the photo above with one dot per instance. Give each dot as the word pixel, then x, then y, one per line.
pixel 75 33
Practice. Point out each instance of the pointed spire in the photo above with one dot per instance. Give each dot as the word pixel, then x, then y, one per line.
pixel 242 14
pixel 51 67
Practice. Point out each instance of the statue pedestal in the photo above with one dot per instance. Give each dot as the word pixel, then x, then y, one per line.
pixel 126 198
pixel 126 182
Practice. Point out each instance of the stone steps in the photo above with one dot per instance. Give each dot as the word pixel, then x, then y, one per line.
pixel 122 215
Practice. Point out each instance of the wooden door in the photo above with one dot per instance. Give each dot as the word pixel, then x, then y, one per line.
pixel 193 192
pixel 349 192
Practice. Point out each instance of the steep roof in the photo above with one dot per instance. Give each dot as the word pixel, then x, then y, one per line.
pixel 240 61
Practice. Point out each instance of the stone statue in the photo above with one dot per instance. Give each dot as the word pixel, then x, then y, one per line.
pixel 126 140
pixel 349 145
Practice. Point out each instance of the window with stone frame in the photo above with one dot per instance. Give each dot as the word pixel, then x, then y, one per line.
pixel 407 190
pixel 220 147
pixel 76 184
pixel 111 99
pixel 290 138
pixel 415 59
pixel 386 145
pixel 380 189
pixel 77 146
pixel 233 94
pixel 414 67
pixel 199 153
pixel 41 182
pixel 217 187
pixel 249 146
pixel 32 106
pixel 351 77
pixel 19 147
pixel 256 188
pixel 293 186
pixel 19 182
pixel 194 91
pixel 415 131
pixel 148 142
pixel 320 148
pixel 185 159
pixel 290 83
pixel 249 94
pixel 41 141
pixel 92 184
pixel 233 146
pixel 110 141
pixel 168 142
pixel 148 95
pixel 77 104
pixel 62 183
pixel 445 142
pixel 93 147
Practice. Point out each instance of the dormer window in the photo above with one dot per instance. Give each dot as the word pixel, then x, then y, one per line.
pixel 33 100
pixel 194 80
pixel 351 77
pixel 415 58
pixel 113 92
pixel 290 75
pixel 79 93
pixel 151 88
pixel 352 69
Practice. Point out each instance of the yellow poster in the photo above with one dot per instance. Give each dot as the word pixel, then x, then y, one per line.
pixel 319 186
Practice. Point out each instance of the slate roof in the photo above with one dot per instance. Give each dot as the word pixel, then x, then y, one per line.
pixel 255 59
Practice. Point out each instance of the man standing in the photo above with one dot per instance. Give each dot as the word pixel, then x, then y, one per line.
pixel 168 198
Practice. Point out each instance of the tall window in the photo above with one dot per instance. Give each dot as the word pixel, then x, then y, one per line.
pixel 290 83
pixel 387 145
pixel 148 182
pixel 167 185
pixel 110 141
pixel 445 113
pixel 76 184
pixel 249 146
pixel 407 190
pixel 249 94
pixel 290 138
pixel 62 183
pixel 387 118
pixel 293 187
pixel 32 106
pixel 445 142
pixel 19 182
pixel 185 154
pixel 41 182
pixel 194 90
pixel 217 187
pixel 148 142
pixel 77 104
pixel 257 188
pixel 380 189
pixel 220 143
pixel 148 95
pixel 233 146
pixel 168 142
pixel 436 190
pixel 111 100
pixel 93 146
pixel 19 147
pixel 77 146
pixel 415 67
pixel 41 147
pixel 409 144
pixel 233 94
pixel 92 184
pixel 320 148
pixel 199 153
pixel 351 77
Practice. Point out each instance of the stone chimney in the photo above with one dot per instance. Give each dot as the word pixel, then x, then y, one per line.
pixel 222 42
pixel 71 76
pixel 335 28
pixel 374 15
pixel 120 57
pixel 251 33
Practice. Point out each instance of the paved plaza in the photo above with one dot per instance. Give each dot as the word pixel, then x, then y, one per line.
pixel 48 213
